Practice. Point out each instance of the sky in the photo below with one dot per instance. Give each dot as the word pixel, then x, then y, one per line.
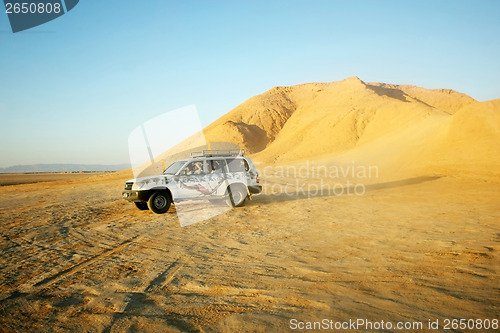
pixel 73 89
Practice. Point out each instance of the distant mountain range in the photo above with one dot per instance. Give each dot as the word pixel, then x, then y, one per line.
pixel 63 168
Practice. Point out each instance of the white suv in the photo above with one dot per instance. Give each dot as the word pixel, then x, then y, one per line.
pixel 212 175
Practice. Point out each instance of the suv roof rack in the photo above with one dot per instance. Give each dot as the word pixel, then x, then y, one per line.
pixel 213 153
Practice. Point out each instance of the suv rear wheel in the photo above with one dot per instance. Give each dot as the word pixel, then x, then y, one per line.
pixel 236 195
pixel 159 202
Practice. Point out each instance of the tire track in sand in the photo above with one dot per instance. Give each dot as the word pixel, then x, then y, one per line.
pixel 134 298
pixel 81 265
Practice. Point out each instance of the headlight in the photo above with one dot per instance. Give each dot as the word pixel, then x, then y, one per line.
pixel 152 181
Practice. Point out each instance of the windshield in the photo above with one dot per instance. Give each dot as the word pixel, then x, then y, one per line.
pixel 172 169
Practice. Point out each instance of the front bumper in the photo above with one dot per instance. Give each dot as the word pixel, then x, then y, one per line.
pixel 134 195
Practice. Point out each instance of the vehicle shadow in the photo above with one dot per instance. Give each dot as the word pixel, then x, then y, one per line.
pixel 350 190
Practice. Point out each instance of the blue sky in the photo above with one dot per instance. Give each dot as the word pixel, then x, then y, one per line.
pixel 73 89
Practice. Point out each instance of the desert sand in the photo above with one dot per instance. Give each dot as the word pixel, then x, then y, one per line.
pixel 421 243
pixel 7 179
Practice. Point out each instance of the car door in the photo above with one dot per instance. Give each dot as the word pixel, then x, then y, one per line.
pixel 191 181
pixel 217 176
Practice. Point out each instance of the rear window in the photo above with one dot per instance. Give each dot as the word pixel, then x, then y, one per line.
pixel 216 166
pixel 237 165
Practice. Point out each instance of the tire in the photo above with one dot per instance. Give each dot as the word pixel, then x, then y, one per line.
pixel 236 195
pixel 141 205
pixel 159 202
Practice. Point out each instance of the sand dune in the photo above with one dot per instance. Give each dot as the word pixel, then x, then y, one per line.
pixel 462 145
pixel 255 123
pixel 399 127
pixel 469 141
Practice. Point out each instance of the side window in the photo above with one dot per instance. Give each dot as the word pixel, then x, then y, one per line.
pixel 237 165
pixel 216 166
pixel 193 168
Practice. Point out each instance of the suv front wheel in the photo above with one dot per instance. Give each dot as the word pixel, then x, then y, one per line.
pixel 159 202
